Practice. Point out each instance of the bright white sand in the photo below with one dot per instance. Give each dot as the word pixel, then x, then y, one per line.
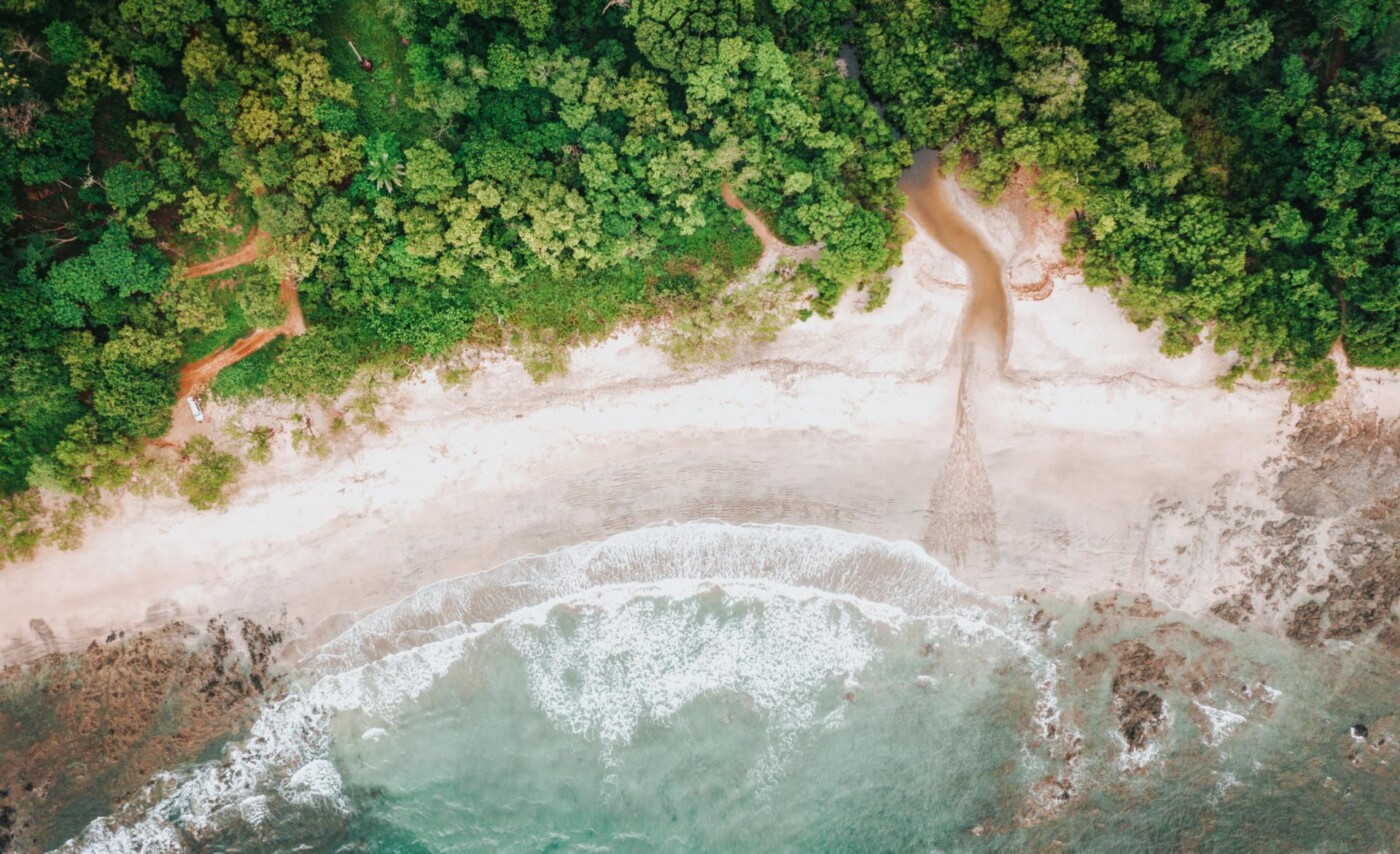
pixel 1100 454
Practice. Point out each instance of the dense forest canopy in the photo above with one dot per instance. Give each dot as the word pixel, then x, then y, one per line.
pixel 503 169
pixel 434 171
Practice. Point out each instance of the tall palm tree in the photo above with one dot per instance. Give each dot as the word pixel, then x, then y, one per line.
pixel 384 172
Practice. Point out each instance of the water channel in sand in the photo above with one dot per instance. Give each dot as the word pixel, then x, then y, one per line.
pixel 962 512
pixel 986 320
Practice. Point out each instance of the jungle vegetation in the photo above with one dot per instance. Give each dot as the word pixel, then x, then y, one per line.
pixel 507 171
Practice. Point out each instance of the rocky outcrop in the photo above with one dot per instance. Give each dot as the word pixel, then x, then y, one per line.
pixel 1342 475
pixel 83 733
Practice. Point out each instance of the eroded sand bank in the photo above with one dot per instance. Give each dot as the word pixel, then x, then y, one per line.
pixel 1111 468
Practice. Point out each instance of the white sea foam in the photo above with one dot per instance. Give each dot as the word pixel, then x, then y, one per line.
pixel 656 652
pixel 1139 758
pixel 316 780
pixel 822 594
pixel 1223 722
pixel 1225 783
pixel 898 574
pixel 253 810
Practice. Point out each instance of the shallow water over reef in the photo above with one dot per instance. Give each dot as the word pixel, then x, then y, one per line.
pixel 712 687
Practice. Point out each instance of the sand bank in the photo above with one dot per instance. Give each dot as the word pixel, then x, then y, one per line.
pixel 1111 468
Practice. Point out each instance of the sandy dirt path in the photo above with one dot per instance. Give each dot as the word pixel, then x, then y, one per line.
pixel 247 252
pixel 773 247
pixel 197 376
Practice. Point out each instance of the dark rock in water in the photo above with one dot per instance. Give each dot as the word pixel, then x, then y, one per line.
pixel 1237 609
pixel 1359 730
pixel 79 733
pixel 1306 625
pixel 1140 716
pixel 1142 607
pixel 1140 710
pixel 7 823
pixel 1343 467
pixel 1389 637
pixel 1138 665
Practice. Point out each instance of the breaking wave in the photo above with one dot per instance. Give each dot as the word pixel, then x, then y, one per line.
pixel 610 637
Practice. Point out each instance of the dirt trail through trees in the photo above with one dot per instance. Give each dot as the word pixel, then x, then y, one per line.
pixel 197 376
pixel 773 248
pixel 760 228
pixel 248 252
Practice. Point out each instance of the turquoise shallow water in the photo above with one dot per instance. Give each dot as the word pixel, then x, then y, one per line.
pixel 729 755
pixel 707 687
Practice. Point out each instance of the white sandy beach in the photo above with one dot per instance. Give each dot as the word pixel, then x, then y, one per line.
pixel 1111 467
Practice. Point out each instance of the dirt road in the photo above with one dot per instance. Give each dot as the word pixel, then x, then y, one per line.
pixel 197 376
pixel 249 251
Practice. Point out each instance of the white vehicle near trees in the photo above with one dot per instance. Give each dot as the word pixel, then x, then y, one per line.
pixel 195 409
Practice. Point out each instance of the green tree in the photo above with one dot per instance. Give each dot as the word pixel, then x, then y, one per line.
pixel 208 475
pixel 291 16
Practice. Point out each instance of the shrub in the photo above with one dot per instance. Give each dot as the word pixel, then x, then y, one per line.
pixel 21 525
pixel 210 472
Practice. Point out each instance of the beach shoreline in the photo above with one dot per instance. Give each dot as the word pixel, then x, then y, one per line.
pixel 1113 468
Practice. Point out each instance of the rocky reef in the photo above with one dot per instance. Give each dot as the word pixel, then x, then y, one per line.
pixel 84 732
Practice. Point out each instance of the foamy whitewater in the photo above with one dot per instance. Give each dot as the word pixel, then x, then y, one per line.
pixel 714 687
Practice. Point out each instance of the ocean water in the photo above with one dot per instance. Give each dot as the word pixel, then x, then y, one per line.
pixel 731 688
